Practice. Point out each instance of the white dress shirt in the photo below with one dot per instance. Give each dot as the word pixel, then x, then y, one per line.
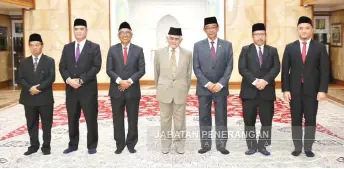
pixel 215 43
pixel 33 58
pixel 128 46
pixel 176 53
pixel 215 46
pixel 307 45
pixel 261 48
pixel 118 78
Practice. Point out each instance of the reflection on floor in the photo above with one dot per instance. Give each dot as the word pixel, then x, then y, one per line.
pixel 328 146
pixel 10 96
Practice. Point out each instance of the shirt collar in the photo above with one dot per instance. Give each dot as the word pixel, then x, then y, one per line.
pixel 306 41
pixel 39 56
pixel 176 49
pixel 82 43
pixel 215 41
pixel 127 46
pixel 262 46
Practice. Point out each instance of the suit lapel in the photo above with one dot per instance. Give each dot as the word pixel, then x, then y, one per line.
pixel 83 52
pixel 181 60
pixel 38 69
pixel 120 51
pixel 73 52
pixel 168 60
pixel 298 51
pixel 254 54
pixel 129 54
pixel 218 50
pixel 310 50
pixel 208 51
pixel 31 66
pixel 265 54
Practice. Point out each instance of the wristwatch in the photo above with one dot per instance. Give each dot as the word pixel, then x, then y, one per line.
pixel 81 82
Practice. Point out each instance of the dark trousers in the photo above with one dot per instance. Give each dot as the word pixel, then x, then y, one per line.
pixel 307 106
pixel 32 114
pixel 205 120
pixel 251 107
pixel 89 105
pixel 132 109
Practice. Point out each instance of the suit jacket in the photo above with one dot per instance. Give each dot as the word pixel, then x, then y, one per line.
pixel 86 68
pixel 315 71
pixel 207 70
pixel 168 87
pixel 44 76
pixel 250 69
pixel 134 69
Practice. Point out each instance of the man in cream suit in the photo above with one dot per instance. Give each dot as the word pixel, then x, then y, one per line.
pixel 172 75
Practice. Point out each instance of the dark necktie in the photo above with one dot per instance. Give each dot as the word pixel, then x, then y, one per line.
pixel 212 49
pixel 77 53
pixel 260 56
pixel 35 63
pixel 125 55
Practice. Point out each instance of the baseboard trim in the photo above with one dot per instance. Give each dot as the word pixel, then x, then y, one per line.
pixel 106 86
pixel 5 84
pixel 339 82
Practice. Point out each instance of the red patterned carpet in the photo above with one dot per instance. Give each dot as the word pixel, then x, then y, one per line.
pixel 149 107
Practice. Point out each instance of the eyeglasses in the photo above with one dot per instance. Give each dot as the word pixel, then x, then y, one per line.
pixel 259 34
pixel 124 33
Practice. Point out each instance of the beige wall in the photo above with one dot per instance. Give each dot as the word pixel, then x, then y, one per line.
pixel 337 53
pixel 281 23
pixel 96 13
pixel 5 55
pixel 51 20
pixel 240 15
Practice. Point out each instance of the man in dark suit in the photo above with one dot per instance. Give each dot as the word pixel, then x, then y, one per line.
pixel 305 76
pixel 36 77
pixel 213 65
pixel 80 63
pixel 258 65
pixel 125 66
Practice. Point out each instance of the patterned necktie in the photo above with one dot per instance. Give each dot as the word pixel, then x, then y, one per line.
pixel 173 63
pixel 77 53
pixel 125 55
pixel 35 63
pixel 260 56
pixel 304 50
pixel 213 55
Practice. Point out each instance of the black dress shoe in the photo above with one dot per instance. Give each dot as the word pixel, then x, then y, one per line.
pixel 132 150
pixel 264 152
pixel 309 153
pixel 250 151
pixel 223 151
pixel 296 152
pixel 69 150
pixel 30 151
pixel 203 150
pixel 46 152
pixel 119 150
pixel 92 151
